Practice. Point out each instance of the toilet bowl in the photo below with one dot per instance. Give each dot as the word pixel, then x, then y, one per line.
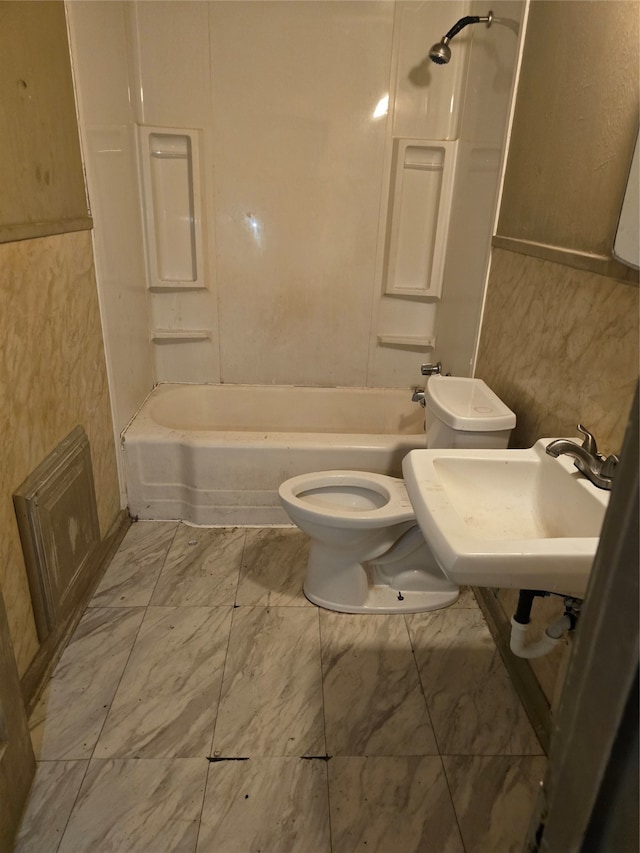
pixel 367 554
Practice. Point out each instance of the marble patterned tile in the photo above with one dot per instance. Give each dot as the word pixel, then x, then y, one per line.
pixel 383 804
pixel 538 362
pixel 138 806
pixel 201 568
pixel 273 568
pixel 67 720
pixel 269 804
pixel 271 700
pixel 373 701
pixel 472 703
pixel 132 574
pixel 53 793
pixel 494 797
pixel 166 703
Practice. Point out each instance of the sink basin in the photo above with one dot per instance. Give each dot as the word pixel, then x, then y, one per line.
pixel 507 518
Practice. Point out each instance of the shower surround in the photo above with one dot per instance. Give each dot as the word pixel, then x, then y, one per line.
pixel 293 112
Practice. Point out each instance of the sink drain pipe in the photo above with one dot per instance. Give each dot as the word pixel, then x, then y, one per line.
pixel 553 633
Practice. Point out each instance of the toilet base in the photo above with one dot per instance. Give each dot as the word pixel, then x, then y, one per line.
pixel 385 599
pixel 390 570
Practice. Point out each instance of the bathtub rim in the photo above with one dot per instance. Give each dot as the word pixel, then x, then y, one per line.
pixel 141 417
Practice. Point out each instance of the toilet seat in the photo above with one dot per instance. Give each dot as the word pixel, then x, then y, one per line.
pixel 354 499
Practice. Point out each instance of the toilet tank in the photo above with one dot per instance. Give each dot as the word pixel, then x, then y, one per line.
pixel 465 413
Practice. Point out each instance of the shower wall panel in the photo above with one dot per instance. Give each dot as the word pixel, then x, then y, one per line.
pixel 297 106
pixel 299 159
pixel 99 45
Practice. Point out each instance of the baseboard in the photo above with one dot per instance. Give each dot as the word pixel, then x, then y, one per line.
pixel 522 676
pixel 47 656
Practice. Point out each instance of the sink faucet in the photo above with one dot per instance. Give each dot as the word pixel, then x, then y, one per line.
pixel 596 467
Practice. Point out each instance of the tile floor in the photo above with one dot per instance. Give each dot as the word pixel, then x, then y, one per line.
pixel 203 704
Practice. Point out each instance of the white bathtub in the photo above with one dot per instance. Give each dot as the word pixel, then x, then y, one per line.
pixel 216 454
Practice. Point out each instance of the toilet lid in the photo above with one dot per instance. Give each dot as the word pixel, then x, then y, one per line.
pixel 467 404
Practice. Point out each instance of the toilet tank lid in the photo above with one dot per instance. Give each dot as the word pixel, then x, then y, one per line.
pixel 467 404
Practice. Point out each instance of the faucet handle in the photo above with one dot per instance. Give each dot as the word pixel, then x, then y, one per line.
pixel 609 466
pixel 431 369
pixel 589 442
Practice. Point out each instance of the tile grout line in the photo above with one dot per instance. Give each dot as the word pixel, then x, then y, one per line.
pixel 164 563
pixel 324 725
pixel 424 695
pixel 75 800
pixel 453 803
pixel 240 568
pixel 92 606
pixel 234 606
pixel 442 765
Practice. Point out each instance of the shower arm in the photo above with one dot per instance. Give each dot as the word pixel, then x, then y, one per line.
pixel 463 22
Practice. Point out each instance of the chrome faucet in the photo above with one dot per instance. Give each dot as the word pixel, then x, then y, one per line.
pixel 426 370
pixel 596 467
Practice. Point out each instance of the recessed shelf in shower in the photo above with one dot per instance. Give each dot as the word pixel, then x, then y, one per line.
pixel 172 205
pixel 420 198
pixel 418 342
pixel 177 336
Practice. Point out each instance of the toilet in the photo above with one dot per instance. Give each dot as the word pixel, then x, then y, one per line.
pixel 367 553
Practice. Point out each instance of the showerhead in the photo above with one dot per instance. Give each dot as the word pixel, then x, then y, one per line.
pixel 440 53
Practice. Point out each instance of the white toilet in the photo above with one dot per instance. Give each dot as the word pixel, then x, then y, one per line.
pixel 367 554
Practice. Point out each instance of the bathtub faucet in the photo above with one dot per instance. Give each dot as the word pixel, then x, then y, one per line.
pixel 588 461
pixel 418 397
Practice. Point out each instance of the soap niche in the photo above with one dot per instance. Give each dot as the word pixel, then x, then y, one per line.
pixel 420 204
pixel 172 200
pixel 420 197
pixel 172 203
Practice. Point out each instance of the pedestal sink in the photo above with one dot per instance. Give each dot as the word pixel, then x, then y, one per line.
pixel 507 518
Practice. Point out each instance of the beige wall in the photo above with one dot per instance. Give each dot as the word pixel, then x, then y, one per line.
pixel 559 337
pixel 52 365
pixel 574 127
pixel 46 193
pixel 52 377
pixel 560 343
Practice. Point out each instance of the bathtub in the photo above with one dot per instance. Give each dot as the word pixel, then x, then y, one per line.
pixel 216 454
